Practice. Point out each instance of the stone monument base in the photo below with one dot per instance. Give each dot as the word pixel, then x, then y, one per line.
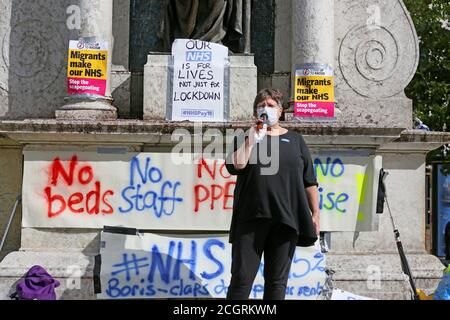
pixel 87 110
pixel 243 87
pixel 380 276
pixel 374 276
pixel 74 271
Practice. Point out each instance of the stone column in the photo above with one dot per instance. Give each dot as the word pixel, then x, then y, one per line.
pixel 96 21
pixel 312 32
pixel 313 36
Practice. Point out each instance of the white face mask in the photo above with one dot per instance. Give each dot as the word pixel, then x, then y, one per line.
pixel 272 115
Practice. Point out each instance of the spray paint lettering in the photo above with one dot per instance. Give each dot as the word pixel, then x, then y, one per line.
pixel 213 194
pixel 145 191
pixel 192 267
pixel 69 174
pixel 175 275
pixel 148 191
pixel 333 169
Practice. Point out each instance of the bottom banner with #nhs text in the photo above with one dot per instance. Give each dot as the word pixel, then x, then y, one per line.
pixel 150 266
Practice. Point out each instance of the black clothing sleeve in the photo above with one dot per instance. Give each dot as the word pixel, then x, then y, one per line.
pixel 309 176
pixel 236 144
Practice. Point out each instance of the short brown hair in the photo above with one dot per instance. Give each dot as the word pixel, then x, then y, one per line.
pixel 267 93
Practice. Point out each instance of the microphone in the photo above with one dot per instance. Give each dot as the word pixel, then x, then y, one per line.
pixel 261 125
pixel 262 121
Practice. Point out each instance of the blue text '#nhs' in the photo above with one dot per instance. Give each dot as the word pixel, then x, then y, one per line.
pixel 168 266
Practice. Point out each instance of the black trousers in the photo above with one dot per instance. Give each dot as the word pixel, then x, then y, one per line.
pixel 278 242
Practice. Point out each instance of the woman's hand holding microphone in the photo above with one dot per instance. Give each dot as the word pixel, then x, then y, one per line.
pixel 258 132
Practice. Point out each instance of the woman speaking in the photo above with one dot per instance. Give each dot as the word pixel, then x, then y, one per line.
pixel 276 205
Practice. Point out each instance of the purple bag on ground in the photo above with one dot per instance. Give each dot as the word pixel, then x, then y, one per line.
pixel 36 285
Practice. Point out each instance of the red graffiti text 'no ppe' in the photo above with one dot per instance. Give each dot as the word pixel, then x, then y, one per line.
pixel 213 193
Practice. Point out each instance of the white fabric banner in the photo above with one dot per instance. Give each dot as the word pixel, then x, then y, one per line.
pixel 348 189
pixel 148 191
pixel 344 295
pixel 191 266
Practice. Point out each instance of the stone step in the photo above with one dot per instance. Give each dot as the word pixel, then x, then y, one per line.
pixel 373 276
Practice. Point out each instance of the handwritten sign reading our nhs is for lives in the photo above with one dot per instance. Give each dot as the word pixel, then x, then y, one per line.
pixel 146 191
pixel 199 81
pixel 162 266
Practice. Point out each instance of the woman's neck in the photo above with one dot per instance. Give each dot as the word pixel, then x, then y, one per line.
pixel 276 130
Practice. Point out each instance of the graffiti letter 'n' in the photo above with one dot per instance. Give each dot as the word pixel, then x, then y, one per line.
pixel 136 167
pixel 58 169
pixel 204 165
pixel 158 263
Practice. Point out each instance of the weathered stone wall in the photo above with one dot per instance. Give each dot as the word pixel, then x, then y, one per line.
pixel 373 65
pixel 34 40
pixel 10 189
pixel 376 56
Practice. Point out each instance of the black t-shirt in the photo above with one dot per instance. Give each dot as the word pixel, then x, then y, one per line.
pixel 262 191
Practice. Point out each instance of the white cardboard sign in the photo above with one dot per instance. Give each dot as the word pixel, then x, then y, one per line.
pixel 200 83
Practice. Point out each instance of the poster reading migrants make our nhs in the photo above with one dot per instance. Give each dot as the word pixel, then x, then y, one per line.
pixel 314 92
pixel 87 72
